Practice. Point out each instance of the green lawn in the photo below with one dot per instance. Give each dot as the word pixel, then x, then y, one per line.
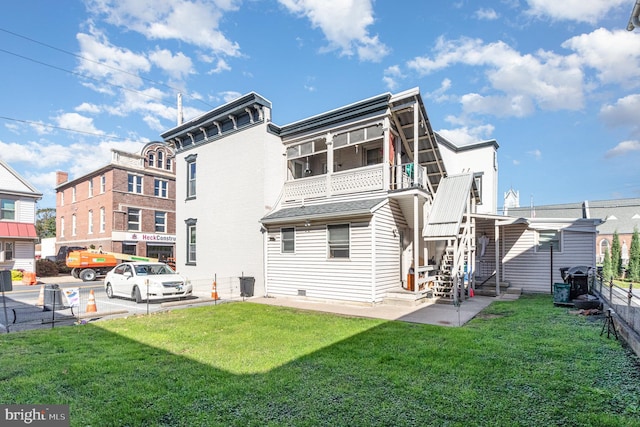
pixel 523 362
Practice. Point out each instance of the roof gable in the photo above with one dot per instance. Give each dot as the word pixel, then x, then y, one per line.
pixel 12 183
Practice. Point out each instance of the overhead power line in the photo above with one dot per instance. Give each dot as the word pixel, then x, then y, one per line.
pixel 101 135
pixel 155 82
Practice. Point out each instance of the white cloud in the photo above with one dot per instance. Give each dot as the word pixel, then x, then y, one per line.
pixel 467 135
pixel 391 76
pixel 544 79
pixel 194 22
pixel 177 66
pixel 221 66
pixel 77 122
pixel 86 107
pixel 623 148
pixel 537 154
pixel 486 14
pixel 615 55
pixel 623 113
pixel 344 23
pixel 440 94
pixel 590 11
pixel 117 66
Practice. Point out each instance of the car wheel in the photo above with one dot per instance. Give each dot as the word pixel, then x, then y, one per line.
pixel 135 294
pixel 109 291
pixel 88 275
pixel 74 273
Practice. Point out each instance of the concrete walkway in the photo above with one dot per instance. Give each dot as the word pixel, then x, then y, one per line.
pixel 428 313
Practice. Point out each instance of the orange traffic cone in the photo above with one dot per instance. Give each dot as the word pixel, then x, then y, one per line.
pixel 214 291
pixel 91 305
pixel 40 302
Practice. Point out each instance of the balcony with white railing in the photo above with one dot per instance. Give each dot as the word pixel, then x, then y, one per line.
pixel 353 181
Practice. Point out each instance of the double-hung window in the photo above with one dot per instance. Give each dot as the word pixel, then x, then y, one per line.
pixel 7 209
pixel 288 238
pixel 191 176
pixel 548 239
pixel 161 188
pixel 191 240
pixel 133 219
pixel 338 240
pixel 134 183
pixel 161 222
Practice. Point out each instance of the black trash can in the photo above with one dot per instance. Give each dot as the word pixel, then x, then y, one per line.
pixel 578 278
pixel 246 286
pixel 53 298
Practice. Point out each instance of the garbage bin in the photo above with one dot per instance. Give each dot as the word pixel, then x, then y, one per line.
pixel 578 278
pixel 561 293
pixel 53 298
pixel 246 286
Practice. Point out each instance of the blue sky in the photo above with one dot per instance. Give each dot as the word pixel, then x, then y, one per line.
pixel 555 83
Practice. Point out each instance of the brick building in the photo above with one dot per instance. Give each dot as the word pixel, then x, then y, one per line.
pixel 127 206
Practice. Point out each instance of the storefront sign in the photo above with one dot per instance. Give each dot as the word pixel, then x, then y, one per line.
pixel 143 237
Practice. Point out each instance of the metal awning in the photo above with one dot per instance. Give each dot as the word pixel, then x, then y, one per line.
pixel 17 230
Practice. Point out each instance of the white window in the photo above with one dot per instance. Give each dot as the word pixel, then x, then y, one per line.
pixel 338 240
pixel 191 179
pixel 90 187
pixel 73 225
pixel 90 223
pixel 547 239
pixel 102 220
pixel 103 184
pixel 134 184
pixel 161 188
pixel 288 238
pixel 160 160
pixel 7 209
pixel 152 160
pixel 7 249
pixel 161 222
pixel 62 198
pixel 73 194
pixel 191 239
pixel 133 219
pixel 61 226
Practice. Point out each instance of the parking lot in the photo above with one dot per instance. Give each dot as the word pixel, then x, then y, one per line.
pixel 46 304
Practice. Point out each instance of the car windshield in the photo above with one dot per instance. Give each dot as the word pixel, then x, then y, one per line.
pixel 151 270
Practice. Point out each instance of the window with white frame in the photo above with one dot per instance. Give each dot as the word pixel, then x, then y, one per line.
pixel 103 184
pixel 6 249
pixel 547 239
pixel 90 222
pixel 288 239
pixel 161 222
pixel 103 220
pixel 338 240
pixel 191 240
pixel 160 164
pixel 134 183
pixel 61 226
pixel 7 209
pixel 62 198
pixel 73 224
pixel 73 194
pixel 90 187
pixel 161 188
pixel 191 176
pixel 133 219
pixel 152 160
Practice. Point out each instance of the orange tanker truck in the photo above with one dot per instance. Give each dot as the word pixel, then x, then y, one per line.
pixel 88 265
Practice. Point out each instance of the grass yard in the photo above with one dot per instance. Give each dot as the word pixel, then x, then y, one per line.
pixel 520 363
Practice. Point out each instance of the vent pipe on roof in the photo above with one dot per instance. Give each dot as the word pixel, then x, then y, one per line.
pixel 180 116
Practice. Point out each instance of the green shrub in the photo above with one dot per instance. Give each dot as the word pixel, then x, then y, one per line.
pixel 62 267
pixel 16 275
pixel 46 268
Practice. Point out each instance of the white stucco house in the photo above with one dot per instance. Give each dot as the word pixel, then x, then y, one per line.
pixel 18 235
pixel 364 203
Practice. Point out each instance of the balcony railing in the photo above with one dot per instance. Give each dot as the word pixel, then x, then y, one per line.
pixel 359 180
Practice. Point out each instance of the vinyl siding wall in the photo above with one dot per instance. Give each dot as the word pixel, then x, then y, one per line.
pixel 387 250
pixel 525 268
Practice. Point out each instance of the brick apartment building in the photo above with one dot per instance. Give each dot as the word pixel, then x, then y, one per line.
pixel 127 206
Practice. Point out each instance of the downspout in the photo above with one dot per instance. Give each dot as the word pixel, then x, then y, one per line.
pixel 634 20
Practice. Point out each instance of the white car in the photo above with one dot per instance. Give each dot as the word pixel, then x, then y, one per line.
pixel 143 281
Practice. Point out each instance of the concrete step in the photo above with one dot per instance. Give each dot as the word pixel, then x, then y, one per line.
pixel 405 298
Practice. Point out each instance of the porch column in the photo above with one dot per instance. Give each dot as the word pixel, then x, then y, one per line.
pixel 416 133
pixel 386 152
pixel 497 246
pixel 416 242
pixel 329 141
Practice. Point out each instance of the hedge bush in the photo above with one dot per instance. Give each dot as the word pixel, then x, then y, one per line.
pixel 46 268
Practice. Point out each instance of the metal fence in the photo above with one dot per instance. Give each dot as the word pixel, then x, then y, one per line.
pixel 624 301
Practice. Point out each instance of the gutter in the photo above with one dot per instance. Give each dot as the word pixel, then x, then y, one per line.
pixel 634 20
